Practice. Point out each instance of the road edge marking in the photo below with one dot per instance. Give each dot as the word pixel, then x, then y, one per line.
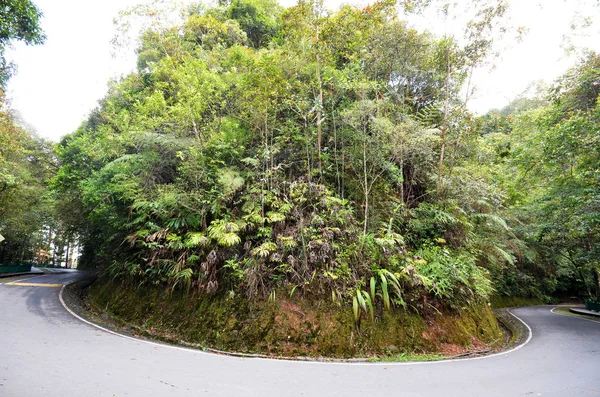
pixel 232 356
pixel 22 284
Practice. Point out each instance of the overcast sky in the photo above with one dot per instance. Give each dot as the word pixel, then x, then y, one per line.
pixel 58 83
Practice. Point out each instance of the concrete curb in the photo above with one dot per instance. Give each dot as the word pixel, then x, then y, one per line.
pixel 6 275
pixel 584 312
pixel 519 331
pixel 575 315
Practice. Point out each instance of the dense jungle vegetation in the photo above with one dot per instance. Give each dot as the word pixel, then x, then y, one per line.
pixel 258 151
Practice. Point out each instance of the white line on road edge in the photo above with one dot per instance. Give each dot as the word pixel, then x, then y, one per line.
pixel 225 354
pixel 575 315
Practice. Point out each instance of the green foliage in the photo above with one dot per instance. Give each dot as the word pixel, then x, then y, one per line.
pixel 258 19
pixel 363 301
pixel 26 206
pixel 554 149
pixel 258 149
pixel 19 20
pixel 224 232
pixel 388 279
pixel 454 275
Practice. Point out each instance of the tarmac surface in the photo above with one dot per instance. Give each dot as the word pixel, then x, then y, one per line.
pixel 46 351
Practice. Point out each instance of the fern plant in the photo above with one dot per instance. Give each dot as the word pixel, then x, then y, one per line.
pixel 225 232
pixel 184 278
pixel 265 249
pixel 195 239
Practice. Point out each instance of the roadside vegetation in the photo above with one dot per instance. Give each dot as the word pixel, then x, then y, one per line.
pixel 27 162
pixel 318 160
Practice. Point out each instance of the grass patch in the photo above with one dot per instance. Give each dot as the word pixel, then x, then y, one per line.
pixel 405 357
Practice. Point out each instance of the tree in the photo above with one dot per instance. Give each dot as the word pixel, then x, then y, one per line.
pixel 258 18
pixel 26 165
pixel 549 166
pixel 20 21
pixel 226 164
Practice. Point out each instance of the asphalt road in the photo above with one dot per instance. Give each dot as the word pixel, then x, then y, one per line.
pixel 45 351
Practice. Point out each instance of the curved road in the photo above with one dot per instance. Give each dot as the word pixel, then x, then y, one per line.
pixel 45 351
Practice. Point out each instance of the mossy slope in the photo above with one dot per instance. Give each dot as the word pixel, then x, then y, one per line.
pixel 292 326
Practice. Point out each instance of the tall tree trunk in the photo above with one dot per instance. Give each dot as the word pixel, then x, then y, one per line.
pixel 441 163
pixel 319 113
pixel 597 283
pixel 67 257
pixel 265 179
pixel 196 132
pixel 444 128
pixel 22 254
pixel 307 145
pixel 335 153
pixel 320 93
pixel 366 185
pixel 402 171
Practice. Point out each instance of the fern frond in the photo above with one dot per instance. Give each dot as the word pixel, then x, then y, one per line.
pixel 275 217
pixel 264 249
pixel 195 239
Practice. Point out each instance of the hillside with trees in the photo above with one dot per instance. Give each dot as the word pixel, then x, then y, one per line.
pixel 302 181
